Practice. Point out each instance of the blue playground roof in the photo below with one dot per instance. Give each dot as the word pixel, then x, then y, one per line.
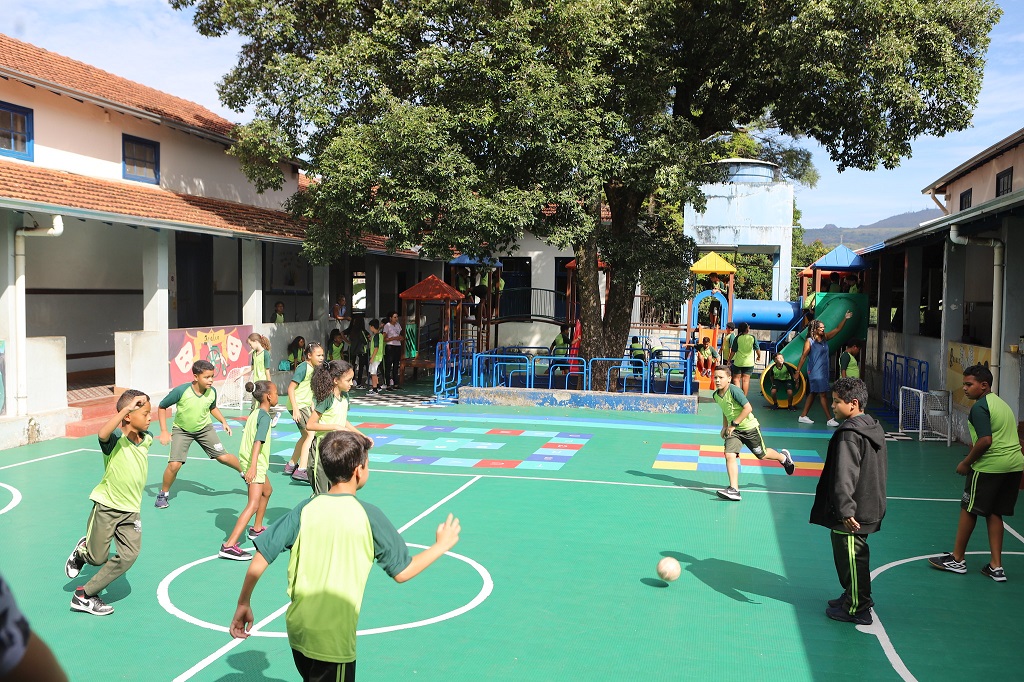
pixel 466 260
pixel 840 258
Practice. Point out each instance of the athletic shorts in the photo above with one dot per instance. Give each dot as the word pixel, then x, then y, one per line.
pixel 783 386
pixel 986 493
pixel 312 670
pixel 739 371
pixel 206 437
pixel 751 438
pixel 374 366
pixel 304 414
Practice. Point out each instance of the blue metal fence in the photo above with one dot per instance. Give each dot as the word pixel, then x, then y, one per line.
pixel 899 371
pixel 453 362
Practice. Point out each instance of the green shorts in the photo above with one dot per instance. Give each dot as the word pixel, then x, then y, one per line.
pixel 751 438
pixel 206 437
pixel 304 414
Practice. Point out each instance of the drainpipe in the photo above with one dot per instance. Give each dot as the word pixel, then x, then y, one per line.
pixel 997 294
pixel 20 326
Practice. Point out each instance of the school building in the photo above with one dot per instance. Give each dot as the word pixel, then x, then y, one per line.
pixel 123 219
pixel 949 291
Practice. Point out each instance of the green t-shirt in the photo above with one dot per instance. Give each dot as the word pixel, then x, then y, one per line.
pixel 743 350
pixel 125 466
pixel 334 540
pixel 278 318
pixel 732 404
pixel 561 345
pixel 303 391
pixel 260 363
pixel 636 350
pixel 708 352
pixel 780 374
pixel 331 411
pixel 849 363
pixel 727 345
pixel 193 410
pixel 991 416
pixel 257 428
pixel 337 352
pixel 377 347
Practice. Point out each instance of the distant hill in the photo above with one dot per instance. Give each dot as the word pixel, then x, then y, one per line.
pixel 866 235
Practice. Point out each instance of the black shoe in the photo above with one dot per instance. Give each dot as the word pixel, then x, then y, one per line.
pixel 788 464
pixel 837 602
pixel 74 564
pixel 862 618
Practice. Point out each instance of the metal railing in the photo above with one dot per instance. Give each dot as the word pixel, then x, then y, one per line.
pixel 900 371
pixel 531 304
pixel 453 361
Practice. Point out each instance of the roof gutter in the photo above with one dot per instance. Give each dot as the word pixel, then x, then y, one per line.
pixel 998 268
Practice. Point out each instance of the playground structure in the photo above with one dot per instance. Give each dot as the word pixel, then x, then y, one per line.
pixel 431 293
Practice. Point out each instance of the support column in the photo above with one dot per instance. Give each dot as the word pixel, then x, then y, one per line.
pixel 252 281
pixel 954 269
pixel 321 292
pixel 912 291
pixel 9 221
pixel 155 274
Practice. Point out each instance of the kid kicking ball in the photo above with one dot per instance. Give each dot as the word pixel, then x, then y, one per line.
pixel 668 569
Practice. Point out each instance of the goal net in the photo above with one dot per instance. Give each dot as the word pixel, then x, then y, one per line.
pixel 925 413
pixel 232 395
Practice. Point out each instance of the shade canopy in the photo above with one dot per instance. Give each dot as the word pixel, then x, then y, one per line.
pixel 839 259
pixel 431 289
pixel 712 263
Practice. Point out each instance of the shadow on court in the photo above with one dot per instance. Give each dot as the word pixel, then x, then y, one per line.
pixel 184 485
pixel 225 517
pixel 735 580
pixel 251 666
pixel 697 486
pixel 114 592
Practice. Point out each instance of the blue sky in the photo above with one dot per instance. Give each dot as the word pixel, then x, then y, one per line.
pixel 148 42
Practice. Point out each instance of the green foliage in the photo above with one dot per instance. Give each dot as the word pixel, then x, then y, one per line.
pixel 455 124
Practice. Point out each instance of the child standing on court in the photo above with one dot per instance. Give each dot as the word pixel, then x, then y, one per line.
pixel 254 458
pixel 848 365
pixel 739 428
pixel 745 354
pixel 850 498
pixel 993 469
pixel 196 406
pixel 117 503
pixel 331 383
pixel 730 334
pixel 376 354
pixel 334 539
pixel 816 356
pixel 300 399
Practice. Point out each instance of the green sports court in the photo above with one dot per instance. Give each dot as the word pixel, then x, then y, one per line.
pixel 565 514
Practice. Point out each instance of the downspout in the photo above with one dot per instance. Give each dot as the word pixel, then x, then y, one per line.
pixel 20 325
pixel 997 294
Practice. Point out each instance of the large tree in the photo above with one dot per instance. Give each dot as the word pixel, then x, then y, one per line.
pixel 458 124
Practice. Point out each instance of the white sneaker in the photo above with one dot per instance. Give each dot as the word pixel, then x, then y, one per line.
pixel 805 420
pixel 832 422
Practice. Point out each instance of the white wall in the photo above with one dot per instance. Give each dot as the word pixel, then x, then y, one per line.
pixel 982 181
pixel 76 137
pixel 47 375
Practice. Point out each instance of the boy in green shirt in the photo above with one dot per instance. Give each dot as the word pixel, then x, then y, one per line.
pixel 739 428
pixel 993 470
pixel 376 355
pixel 782 377
pixel 334 540
pixel 196 404
pixel 124 441
pixel 848 365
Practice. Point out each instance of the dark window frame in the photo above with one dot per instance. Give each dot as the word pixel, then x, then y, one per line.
pixel 127 139
pixel 1004 182
pixel 966 198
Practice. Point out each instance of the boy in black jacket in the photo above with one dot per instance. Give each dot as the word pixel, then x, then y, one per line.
pixel 850 498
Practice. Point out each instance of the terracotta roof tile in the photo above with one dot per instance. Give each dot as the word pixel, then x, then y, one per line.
pixel 431 289
pixel 17 57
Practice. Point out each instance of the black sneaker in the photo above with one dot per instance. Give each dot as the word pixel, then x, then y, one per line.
pixel 93 605
pixel 997 574
pixel 946 562
pixel 788 464
pixel 729 494
pixel 862 618
pixel 838 601
pixel 75 561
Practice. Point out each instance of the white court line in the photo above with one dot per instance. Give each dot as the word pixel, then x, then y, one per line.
pixel 878 630
pixel 40 459
pixel 1005 525
pixel 15 493
pixel 188 674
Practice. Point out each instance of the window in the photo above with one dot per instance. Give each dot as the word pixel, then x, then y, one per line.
pixel 15 131
pixel 1004 182
pixel 965 200
pixel 141 159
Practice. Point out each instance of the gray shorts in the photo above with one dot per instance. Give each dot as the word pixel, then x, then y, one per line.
pixel 207 438
pixel 304 414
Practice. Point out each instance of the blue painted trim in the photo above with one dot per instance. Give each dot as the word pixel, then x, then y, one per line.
pixel 125 139
pixel 29 153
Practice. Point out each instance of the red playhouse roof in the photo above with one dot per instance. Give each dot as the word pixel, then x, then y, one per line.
pixel 431 289
pixel 601 265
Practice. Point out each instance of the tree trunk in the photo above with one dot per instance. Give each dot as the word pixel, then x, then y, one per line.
pixel 606 335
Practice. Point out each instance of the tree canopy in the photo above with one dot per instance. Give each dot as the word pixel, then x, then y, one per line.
pixel 456 123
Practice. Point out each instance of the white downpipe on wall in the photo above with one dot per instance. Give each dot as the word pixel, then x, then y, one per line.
pixel 20 324
pixel 997 294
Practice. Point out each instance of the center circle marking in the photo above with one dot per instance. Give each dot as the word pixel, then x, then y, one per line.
pixel 163 597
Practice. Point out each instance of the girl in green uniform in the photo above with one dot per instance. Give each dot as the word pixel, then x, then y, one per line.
pixel 331 383
pixel 300 399
pixel 254 458
pixel 745 354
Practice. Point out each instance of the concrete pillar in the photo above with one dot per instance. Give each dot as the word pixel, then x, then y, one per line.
pixel 155 275
pixel 321 292
pixel 954 274
pixel 252 281
pixel 1011 376
pixel 912 290
pixel 9 221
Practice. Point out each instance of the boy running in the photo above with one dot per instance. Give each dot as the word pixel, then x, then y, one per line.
pixel 993 470
pixel 117 501
pixel 196 406
pixel 739 428
pixel 334 540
